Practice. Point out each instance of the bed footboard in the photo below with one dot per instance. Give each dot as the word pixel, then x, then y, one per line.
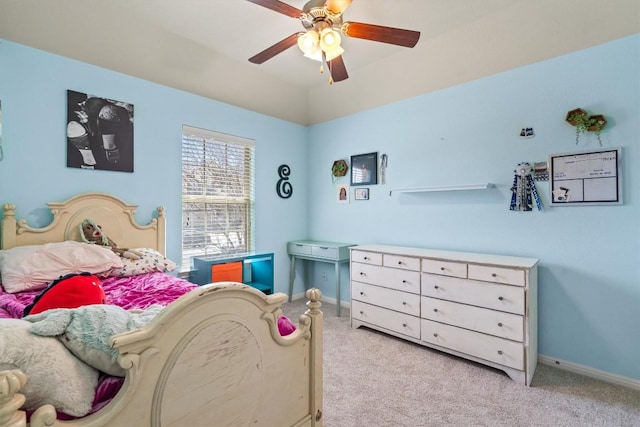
pixel 212 357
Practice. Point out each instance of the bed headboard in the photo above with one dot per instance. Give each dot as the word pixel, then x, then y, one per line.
pixel 115 217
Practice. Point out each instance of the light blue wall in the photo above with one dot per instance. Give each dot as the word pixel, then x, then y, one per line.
pixel 589 271
pixel 33 87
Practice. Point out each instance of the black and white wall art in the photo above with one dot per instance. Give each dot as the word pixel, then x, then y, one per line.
pixel 99 133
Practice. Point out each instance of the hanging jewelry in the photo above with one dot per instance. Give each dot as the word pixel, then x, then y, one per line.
pixel 524 190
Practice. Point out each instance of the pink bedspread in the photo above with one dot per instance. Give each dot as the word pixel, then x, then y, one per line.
pixel 127 292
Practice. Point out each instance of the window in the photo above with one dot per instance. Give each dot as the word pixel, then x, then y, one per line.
pixel 217 194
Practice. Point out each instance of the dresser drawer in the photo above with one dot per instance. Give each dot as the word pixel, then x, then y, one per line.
pixel 298 249
pixel 392 320
pixel 402 280
pixel 366 257
pixel 487 347
pixel 497 274
pixel 384 297
pixel 446 268
pixel 483 294
pixel 324 252
pixel 498 323
pixel 403 262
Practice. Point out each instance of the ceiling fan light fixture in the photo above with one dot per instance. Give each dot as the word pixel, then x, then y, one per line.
pixel 330 56
pixel 329 40
pixel 308 42
pixel 337 6
pixel 315 54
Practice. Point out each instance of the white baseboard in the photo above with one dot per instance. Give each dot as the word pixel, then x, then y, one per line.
pixel 590 372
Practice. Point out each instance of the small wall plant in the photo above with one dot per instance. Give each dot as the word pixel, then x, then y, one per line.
pixel 584 122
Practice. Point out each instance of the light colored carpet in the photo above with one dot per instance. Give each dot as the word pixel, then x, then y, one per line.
pixel 375 380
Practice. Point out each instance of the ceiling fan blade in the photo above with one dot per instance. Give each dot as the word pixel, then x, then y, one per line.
pixel 277 48
pixel 379 33
pixel 337 6
pixel 337 69
pixel 279 7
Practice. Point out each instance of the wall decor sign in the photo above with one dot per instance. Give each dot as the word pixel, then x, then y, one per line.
pixel 364 169
pixel 284 189
pixel 586 178
pixel 361 194
pixel 99 133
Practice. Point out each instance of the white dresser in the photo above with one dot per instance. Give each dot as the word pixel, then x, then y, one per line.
pixel 477 306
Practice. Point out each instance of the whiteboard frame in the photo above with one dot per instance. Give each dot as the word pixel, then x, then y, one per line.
pixel 613 195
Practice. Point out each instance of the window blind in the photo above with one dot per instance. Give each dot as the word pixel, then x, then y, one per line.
pixel 218 174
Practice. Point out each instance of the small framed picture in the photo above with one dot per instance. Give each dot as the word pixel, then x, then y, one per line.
pixel 342 193
pixel 361 194
pixel 364 169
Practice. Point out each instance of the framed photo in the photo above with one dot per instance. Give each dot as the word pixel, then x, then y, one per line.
pixel 361 194
pixel 364 169
pixel 342 193
pixel 586 178
pixel 99 133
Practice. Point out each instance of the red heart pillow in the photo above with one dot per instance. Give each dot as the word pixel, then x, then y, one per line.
pixel 70 291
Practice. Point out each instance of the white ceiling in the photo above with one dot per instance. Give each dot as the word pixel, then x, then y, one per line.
pixel 203 46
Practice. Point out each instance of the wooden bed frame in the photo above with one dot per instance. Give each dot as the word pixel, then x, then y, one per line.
pixel 213 357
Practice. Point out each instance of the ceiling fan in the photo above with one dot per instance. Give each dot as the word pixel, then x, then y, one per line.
pixel 322 20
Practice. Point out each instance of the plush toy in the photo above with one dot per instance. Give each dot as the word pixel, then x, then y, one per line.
pixel 92 233
pixel 70 291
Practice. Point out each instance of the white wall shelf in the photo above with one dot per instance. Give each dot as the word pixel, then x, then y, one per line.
pixel 441 188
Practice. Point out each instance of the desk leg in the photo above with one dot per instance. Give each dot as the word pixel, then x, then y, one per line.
pixel 292 276
pixel 338 309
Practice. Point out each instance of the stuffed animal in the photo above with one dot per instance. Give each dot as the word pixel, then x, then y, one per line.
pixel 70 291
pixel 92 233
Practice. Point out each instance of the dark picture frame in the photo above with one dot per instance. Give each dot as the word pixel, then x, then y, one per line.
pixel 99 133
pixel 361 194
pixel 364 169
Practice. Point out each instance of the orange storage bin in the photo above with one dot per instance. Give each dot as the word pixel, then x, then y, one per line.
pixel 229 272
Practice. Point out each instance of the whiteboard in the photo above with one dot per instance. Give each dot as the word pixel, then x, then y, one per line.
pixel 586 178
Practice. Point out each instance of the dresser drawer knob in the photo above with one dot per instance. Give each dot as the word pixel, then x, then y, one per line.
pixel 361 273
pixel 500 325
pixel 435 335
pixel 404 281
pixel 361 293
pixel 367 258
pixel 435 287
pixel 435 310
pixel 404 325
pixel 500 352
pixel 501 298
pixel 441 268
pixel 361 312
pixel 404 303
pixel 494 275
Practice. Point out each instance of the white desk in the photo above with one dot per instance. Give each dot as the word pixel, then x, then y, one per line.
pixel 314 250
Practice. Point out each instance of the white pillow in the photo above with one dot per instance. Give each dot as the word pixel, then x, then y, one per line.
pixel 54 375
pixel 150 261
pixel 25 268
